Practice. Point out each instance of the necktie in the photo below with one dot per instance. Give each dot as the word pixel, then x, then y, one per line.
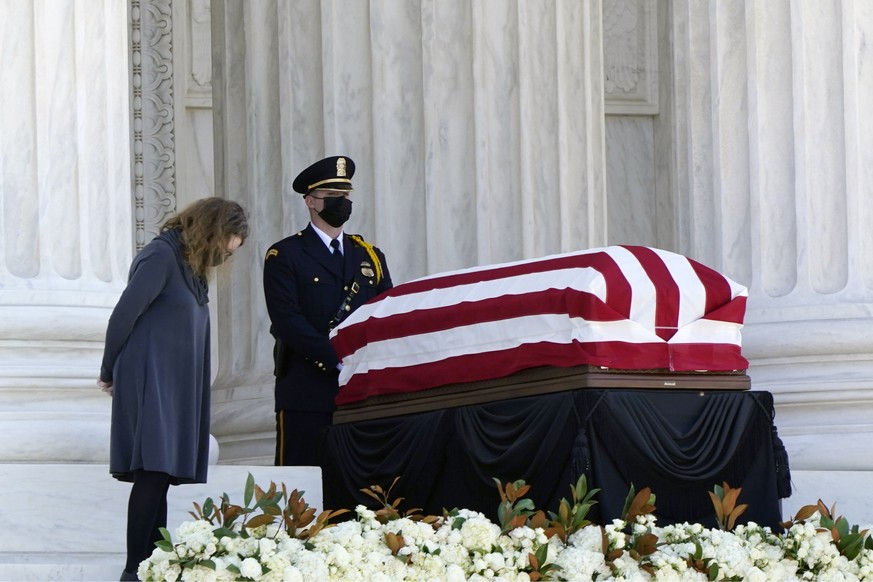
pixel 337 253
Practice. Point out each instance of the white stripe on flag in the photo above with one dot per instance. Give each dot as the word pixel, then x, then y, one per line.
pixel 643 296
pixel 489 337
pixel 585 279
pixel 692 293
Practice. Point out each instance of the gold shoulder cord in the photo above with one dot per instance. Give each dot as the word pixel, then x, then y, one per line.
pixel 369 248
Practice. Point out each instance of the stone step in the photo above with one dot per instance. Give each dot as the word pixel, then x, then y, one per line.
pixel 67 522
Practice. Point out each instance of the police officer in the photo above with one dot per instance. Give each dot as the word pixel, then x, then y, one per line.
pixel 312 280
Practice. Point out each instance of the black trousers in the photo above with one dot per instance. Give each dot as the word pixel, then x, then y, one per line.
pixel 298 435
pixel 146 514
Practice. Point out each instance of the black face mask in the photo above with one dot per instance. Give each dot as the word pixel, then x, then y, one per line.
pixel 336 211
pixel 216 258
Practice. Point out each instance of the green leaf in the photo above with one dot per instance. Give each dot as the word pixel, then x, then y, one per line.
pixel 458 522
pixel 712 574
pixel 542 553
pixel 165 534
pixel 221 532
pixel 851 545
pixel 250 490
pixel 208 563
pixel 207 506
pixel 164 545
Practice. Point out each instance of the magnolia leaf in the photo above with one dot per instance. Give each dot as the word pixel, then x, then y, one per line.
pixel 738 511
pixel 534 563
pixel 631 494
pixel 648 569
pixel 851 546
pixel 646 544
pixel 640 504
pixel 730 499
pixel 260 520
pixel 249 490
pixel 164 545
pixel 716 504
pixel 713 571
pixel 538 519
pixel 222 532
pixel 805 512
pixel 370 493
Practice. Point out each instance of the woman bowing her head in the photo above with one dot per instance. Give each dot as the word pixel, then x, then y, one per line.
pixel 156 365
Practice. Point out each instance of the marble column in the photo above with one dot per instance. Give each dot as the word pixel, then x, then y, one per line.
pixel 774 160
pixel 477 130
pixel 66 238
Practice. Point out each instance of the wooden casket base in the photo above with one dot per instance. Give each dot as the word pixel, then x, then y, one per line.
pixel 531 382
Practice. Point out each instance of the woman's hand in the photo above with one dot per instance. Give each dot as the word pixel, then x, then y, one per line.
pixel 105 386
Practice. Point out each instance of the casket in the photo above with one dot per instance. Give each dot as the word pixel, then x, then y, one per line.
pixel 613 317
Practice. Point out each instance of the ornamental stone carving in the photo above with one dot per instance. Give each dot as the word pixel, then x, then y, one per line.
pixel 152 130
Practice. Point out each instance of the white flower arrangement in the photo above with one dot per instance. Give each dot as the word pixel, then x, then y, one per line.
pixel 288 545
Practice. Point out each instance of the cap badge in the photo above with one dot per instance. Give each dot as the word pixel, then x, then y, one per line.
pixel 340 167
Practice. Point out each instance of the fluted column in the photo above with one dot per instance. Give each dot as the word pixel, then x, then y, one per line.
pixel 774 157
pixel 66 238
pixel 477 130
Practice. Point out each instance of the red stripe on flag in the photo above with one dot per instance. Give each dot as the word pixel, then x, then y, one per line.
pixel 710 357
pixel 666 290
pixel 570 302
pixel 718 290
pixel 483 366
pixel 618 291
pixel 733 312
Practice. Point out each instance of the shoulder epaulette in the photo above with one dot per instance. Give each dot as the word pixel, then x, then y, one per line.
pixel 358 240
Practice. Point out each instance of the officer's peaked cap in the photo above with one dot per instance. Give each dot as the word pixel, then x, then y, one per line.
pixel 333 173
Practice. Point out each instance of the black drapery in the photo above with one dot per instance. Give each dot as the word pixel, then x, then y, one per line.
pixel 679 443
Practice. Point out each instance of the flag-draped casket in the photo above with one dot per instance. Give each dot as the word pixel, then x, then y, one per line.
pixel 618 308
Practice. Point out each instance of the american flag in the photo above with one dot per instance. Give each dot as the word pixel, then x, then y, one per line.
pixel 620 307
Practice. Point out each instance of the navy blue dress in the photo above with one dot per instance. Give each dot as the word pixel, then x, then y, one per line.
pixel 157 355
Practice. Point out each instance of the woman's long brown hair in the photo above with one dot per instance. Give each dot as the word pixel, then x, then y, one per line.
pixel 207 226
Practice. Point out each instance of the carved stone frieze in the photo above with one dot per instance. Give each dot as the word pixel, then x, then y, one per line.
pixel 630 56
pixel 152 127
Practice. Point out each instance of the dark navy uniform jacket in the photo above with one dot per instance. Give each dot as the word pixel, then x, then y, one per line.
pixel 304 288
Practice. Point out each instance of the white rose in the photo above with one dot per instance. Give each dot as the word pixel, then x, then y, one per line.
pixel 250 568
